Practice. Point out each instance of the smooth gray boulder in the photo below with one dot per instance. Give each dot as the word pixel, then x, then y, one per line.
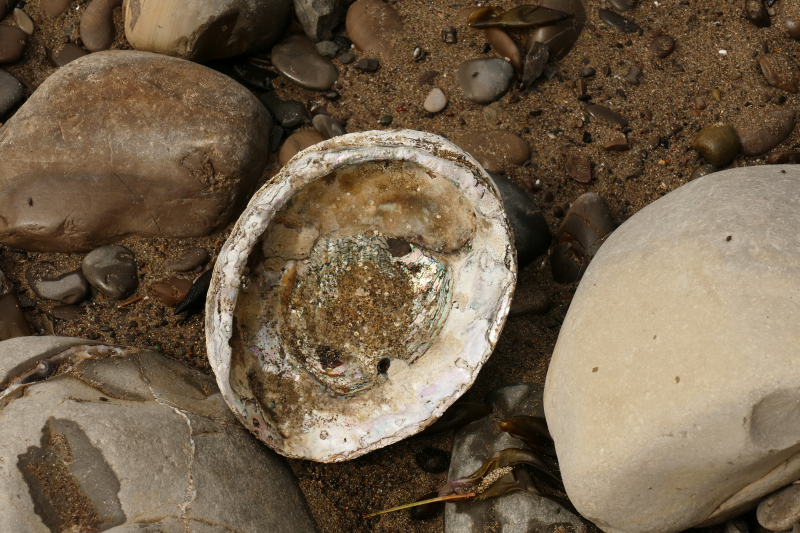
pixel 104 438
pixel 518 511
pixel 673 388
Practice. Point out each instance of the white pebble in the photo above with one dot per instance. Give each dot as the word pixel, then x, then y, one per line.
pixel 723 52
pixel 435 101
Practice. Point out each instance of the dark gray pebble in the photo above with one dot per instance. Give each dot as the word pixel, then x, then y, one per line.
pixel 587 72
pixel 328 126
pixel 618 22
pixel 532 235
pixel 70 52
pixel 111 270
pixel 298 59
pixel 69 288
pixel 432 460
pixel 67 313
pixel 634 75
pixel 367 64
pixel 288 113
pixel 328 48
pixel 347 58
pixel 484 81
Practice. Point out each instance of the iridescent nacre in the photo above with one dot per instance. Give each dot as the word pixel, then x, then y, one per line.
pixel 360 293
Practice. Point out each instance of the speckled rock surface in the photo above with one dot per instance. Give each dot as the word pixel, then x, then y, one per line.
pixel 204 29
pixel 155 156
pixel 669 389
pixel 76 457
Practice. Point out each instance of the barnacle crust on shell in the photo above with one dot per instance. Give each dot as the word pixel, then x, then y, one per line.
pixel 360 293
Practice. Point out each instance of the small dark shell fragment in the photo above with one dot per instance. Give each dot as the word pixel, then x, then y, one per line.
pixel 195 300
pixel 524 16
pixel 584 229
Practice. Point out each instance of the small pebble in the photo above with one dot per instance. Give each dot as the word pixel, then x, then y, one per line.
pixel 607 114
pixel 756 12
pixel 386 120
pixel 367 64
pixel 170 291
pixel 298 59
pixel 782 157
pixel 97 25
pixel 327 48
pixel 111 270
pixel 623 5
pixel 718 144
pixel 484 81
pixel 68 288
pixel 70 52
pixel 297 142
pixel 616 142
pixel 587 72
pixel 703 170
pixel 67 313
pixel 618 22
pixel 449 35
pixel 435 101
pixel 23 21
pixel 191 259
pixel 12 43
pixel 347 58
pixel 579 168
pixel 329 127
pixel 780 510
pixel 662 46
pixel 54 8
pixel 432 460
pixel 699 103
pixel 634 75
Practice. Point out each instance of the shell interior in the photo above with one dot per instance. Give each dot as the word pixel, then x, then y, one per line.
pixel 367 290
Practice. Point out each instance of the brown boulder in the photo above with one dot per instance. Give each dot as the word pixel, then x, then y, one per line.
pixel 128 143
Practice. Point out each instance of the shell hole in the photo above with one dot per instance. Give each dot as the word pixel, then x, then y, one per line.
pixel 383 365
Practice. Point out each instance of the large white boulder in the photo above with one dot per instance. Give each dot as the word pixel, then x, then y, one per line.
pixel 673 394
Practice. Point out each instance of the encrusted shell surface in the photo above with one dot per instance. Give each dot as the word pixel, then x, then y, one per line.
pixel 360 293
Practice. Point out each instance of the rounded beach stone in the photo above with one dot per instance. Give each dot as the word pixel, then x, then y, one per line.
pixel 205 29
pixel 93 171
pixel 97 25
pixel 12 43
pixel 671 388
pixel 297 142
pixel 76 427
pixel 780 510
pixel 435 101
pixel 298 59
pixel 760 132
pixel 495 150
pixel 485 80
pixel 111 270
pixel 718 144
pixel 371 25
